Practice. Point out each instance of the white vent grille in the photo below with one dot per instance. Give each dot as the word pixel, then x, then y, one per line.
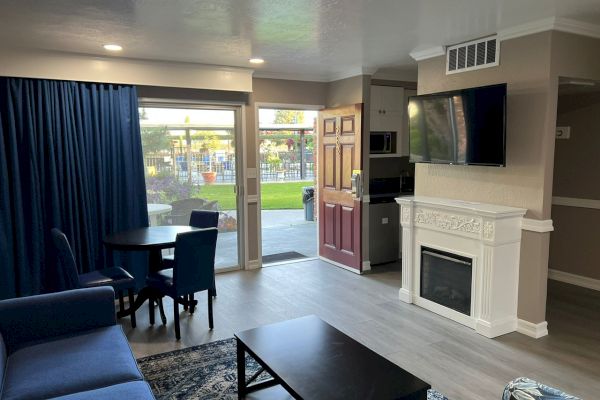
pixel 477 54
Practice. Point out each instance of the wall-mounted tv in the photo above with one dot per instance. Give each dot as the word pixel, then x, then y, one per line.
pixel 466 127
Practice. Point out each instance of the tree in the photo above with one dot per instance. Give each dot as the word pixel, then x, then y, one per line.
pixel 155 139
pixel 289 117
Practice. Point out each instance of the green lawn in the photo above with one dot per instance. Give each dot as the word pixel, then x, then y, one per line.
pixel 275 196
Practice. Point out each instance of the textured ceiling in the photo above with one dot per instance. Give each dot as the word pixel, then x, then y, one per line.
pixel 310 39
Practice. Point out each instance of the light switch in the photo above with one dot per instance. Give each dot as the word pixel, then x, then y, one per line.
pixel 384 221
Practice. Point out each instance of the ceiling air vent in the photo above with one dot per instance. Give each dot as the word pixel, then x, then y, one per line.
pixel 476 54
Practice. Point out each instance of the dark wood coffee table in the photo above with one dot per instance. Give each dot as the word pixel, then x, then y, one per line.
pixel 313 360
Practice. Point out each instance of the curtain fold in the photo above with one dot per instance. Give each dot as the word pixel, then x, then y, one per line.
pixel 70 157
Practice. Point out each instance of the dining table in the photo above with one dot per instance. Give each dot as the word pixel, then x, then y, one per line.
pixel 152 239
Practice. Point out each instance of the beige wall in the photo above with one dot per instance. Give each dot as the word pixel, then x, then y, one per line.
pixel 574 243
pixel 525 67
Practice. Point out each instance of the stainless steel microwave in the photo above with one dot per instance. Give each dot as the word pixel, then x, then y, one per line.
pixel 381 142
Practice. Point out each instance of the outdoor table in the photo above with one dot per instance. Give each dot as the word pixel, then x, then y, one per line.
pixel 155 210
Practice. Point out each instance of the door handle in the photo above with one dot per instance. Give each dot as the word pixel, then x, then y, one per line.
pixel 356 181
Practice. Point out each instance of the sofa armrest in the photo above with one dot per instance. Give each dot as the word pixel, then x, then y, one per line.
pixel 45 316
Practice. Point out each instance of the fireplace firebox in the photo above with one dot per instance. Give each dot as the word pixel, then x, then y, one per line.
pixel 446 279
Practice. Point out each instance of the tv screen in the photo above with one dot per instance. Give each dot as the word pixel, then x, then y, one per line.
pixel 465 126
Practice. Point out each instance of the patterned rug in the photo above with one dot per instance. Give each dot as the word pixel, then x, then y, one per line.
pixel 203 372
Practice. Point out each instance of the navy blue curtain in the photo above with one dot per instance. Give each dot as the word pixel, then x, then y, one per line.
pixel 70 157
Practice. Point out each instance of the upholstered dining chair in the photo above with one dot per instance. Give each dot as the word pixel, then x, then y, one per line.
pixel 117 277
pixel 198 219
pixel 193 271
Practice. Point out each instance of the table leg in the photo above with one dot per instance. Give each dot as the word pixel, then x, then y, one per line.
pixel 155 260
pixel 241 369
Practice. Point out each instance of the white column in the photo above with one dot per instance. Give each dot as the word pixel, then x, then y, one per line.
pixel 406 221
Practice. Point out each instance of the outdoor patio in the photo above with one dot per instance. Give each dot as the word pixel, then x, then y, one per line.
pixel 283 231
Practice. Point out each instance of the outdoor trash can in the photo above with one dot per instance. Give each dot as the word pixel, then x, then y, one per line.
pixel 308 196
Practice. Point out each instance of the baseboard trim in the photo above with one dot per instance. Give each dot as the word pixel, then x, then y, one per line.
pixel 577 280
pixel 253 264
pixel 337 264
pixel 530 329
pixel 366 266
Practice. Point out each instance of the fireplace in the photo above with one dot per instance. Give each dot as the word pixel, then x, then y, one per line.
pixel 460 260
pixel 446 279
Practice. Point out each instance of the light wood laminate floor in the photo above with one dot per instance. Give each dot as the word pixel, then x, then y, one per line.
pixel 452 358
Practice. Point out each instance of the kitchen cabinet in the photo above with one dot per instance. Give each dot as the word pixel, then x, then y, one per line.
pixel 387 108
pixel 388 114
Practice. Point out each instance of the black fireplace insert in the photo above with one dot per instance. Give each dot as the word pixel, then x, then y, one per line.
pixel 446 279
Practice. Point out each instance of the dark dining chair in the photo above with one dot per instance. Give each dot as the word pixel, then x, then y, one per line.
pixel 117 277
pixel 193 271
pixel 198 219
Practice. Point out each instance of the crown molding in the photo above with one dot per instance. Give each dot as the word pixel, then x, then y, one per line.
pixel 577 27
pixel 530 28
pixel 436 51
pixel 542 25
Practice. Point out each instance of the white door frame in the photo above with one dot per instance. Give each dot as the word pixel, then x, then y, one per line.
pixel 280 106
pixel 240 156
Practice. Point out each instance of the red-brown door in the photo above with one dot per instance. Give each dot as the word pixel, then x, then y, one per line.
pixel 339 209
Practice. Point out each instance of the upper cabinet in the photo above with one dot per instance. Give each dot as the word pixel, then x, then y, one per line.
pixel 387 108
pixel 388 114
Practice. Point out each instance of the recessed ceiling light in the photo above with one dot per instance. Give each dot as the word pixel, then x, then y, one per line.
pixel 256 60
pixel 112 47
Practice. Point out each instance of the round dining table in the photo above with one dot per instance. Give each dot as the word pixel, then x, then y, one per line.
pixel 152 239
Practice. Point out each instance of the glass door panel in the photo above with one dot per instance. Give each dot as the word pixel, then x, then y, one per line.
pixel 190 159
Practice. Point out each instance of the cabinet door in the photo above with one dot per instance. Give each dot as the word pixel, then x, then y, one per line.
pixel 392 99
pixel 376 109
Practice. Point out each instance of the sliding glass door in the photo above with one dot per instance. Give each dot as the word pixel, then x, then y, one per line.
pixel 190 154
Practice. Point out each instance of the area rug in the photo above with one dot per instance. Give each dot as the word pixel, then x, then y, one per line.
pixel 203 372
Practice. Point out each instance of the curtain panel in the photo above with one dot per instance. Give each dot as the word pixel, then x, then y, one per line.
pixel 70 157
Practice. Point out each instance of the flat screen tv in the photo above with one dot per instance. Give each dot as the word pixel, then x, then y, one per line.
pixel 466 127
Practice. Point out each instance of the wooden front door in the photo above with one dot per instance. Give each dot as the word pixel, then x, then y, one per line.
pixel 339 209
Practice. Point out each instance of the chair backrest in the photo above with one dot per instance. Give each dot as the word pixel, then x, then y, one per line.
pixel 66 260
pixel 194 268
pixel 204 219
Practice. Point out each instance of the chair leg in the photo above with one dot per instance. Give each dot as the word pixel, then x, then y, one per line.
pixel 210 311
pixel 185 302
pixel 192 303
pixel 161 310
pixel 151 310
pixel 213 292
pixel 176 319
pixel 121 302
pixel 131 309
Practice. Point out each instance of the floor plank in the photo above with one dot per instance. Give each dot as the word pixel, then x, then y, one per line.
pixel 454 359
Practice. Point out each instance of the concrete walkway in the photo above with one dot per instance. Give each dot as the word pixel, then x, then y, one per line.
pixel 282 231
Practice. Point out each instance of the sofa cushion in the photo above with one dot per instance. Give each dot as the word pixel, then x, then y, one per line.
pixel 2 362
pixel 137 390
pixel 97 358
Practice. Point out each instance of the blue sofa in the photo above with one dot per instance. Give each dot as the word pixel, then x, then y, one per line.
pixel 66 346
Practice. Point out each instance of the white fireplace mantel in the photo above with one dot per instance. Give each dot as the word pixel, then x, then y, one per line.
pixel 488 234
